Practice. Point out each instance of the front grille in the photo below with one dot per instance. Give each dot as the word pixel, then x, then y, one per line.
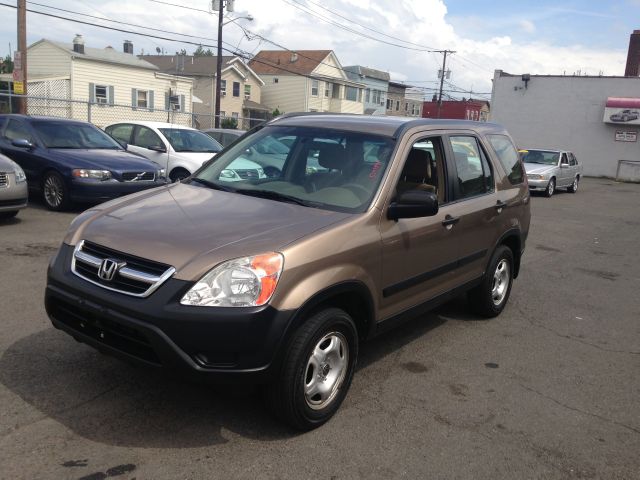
pixel 118 271
pixel 247 174
pixel 106 331
pixel 4 179
pixel 138 176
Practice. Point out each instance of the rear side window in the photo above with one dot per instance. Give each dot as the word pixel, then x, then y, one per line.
pixel 508 156
pixel 121 132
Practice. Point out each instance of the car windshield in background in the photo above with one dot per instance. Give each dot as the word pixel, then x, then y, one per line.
pixel 541 156
pixel 183 140
pixel 74 136
pixel 320 168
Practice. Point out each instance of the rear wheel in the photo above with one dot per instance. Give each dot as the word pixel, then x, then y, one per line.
pixel 54 192
pixel 317 370
pixel 490 297
pixel 573 188
pixel 178 174
pixel 551 187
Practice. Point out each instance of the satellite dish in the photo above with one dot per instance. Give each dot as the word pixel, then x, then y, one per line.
pixel 158 50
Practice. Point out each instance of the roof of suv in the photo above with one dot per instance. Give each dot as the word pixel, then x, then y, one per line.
pixel 380 125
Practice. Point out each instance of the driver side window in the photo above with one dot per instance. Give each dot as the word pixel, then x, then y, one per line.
pixel 565 160
pixel 16 130
pixel 423 168
pixel 145 138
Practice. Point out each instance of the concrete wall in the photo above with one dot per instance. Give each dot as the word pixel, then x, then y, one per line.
pixel 566 112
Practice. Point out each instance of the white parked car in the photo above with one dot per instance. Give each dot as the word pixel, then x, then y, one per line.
pixel 180 150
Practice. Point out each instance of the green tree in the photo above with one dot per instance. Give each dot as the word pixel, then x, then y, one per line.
pixel 201 52
pixel 182 52
pixel 229 123
pixel 6 64
pixel 276 113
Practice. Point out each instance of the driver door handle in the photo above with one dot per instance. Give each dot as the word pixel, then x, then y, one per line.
pixel 450 221
pixel 500 205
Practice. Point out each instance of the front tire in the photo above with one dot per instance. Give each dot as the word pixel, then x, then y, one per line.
pixel 490 297
pixel 178 174
pixel 55 192
pixel 317 370
pixel 551 187
pixel 573 188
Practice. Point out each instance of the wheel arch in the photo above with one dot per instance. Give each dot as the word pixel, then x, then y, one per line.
pixel 512 239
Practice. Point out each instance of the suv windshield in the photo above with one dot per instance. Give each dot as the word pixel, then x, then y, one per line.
pixel 183 140
pixel 321 168
pixel 74 136
pixel 541 156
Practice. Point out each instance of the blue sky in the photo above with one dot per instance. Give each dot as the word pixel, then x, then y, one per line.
pixel 538 37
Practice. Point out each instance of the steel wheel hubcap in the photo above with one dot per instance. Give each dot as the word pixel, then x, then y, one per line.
pixel 500 282
pixel 575 184
pixel 53 191
pixel 326 369
pixel 552 187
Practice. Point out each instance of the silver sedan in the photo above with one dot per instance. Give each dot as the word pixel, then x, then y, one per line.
pixel 551 169
pixel 13 188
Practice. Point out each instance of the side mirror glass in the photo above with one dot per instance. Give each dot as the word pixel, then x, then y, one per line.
pixel 413 204
pixel 158 148
pixel 22 143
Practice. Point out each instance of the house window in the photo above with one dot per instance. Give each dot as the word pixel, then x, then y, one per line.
pixel 101 94
pixel 397 105
pixel 236 89
pixel 314 88
pixel 327 89
pixel 235 115
pixel 406 107
pixel 247 91
pixel 174 102
pixel 335 93
pixel 367 95
pixel 389 104
pixel 142 100
pixel 382 99
pixel 222 114
pixel 275 79
pixel 223 87
pixel 352 94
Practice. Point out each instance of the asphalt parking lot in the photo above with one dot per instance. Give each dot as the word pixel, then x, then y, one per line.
pixel 550 389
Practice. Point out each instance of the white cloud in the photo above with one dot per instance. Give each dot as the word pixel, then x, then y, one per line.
pixel 528 26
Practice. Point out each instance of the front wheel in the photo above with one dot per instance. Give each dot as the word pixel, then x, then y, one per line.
pixel 55 192
pixel 178 174
pixel 551 187
pixel 573 188
pixel 490 297
pixel 317 370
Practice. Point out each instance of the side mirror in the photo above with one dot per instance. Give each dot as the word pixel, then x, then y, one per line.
pixel 413 204
pixel 564 165
pixel 158 148
pixel 22 143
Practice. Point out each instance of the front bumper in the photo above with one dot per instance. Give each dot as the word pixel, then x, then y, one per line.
pixel 14 196
pixel 88 190
pixel 535 184
pixel 217 344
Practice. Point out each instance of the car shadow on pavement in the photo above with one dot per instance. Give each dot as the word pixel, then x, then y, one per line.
pixel 108 401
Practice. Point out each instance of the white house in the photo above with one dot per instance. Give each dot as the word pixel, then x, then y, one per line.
pixel 103 85
pixel 307 81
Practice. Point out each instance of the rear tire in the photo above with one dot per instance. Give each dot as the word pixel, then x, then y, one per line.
pixel 55 192
pixel 316 372
pixel 490 297
pixel 551 187
pixel 573 188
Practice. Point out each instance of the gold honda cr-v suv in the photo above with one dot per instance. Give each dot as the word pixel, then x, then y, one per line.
pixel 304 237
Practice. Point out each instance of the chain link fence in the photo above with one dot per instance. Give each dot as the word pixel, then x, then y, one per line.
pixel 101 114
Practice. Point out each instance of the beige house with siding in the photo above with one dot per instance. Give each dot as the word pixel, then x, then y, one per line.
pixel 103 85
pixel 307 81
pixel 240 89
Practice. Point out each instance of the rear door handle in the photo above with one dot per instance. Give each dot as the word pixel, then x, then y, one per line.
pixel 450 221
pixel 500 205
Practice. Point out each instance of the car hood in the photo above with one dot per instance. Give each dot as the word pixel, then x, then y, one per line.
pixel 538 169
pixel 113 160
pixel 194 228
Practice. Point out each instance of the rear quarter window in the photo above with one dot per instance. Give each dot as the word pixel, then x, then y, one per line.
pixel 508 156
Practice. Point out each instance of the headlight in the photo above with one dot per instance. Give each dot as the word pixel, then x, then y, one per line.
pixel 261 173
pixel 161 173
pixel 20 176
pixel 95 174
pixel 535 177
pixel 242 282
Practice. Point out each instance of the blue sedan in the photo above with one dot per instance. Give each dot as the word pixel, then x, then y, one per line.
pixel 70 161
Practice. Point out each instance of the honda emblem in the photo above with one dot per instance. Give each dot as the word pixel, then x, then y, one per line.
pixel 109 268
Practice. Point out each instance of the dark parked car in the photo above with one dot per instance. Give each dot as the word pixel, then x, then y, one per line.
pixel 224 136
pixel 371 221
pixel 71 161
pixel 624 116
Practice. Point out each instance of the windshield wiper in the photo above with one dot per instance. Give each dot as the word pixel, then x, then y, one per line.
pixel 271 195
pixel 212 185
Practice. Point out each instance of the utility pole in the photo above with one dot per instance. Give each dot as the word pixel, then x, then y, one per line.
pixel 219 61
pixel 20 65
pixel 444 70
